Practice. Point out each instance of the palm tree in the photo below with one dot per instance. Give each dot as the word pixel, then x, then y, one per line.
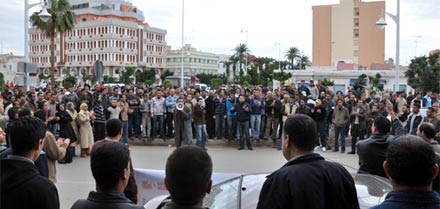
pixel 234 59
pixel 241 51
pixel 259 62
pixel 292 54
pixel 303 62
pixel 62 20
pixel 228 68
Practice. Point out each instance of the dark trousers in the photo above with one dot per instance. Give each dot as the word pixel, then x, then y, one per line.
pixel 134 124
pixel 99 133
pixel 219 126
pixel 169 124
pixel 322 134
pixel 263 125
pixel 271 128
pixel 356 134
pixel 210 126
pixel 340 134
pixel 244 134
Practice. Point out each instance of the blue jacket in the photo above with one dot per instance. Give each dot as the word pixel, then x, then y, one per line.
pixel 230 104
pixel 255 109
pixel 171 102
pixel 410 200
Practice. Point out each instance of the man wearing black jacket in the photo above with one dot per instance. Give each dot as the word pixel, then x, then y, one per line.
pixel 318 114
pixel 210 112
pixel 273 112
pixel 21 184
pixel 242 108
pixel 307 180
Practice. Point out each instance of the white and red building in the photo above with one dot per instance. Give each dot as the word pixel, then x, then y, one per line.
pixel 114 32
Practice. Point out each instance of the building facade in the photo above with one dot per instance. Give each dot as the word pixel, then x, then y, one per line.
pixel 9 68
pixel 113 32
pixel 347 33
pixel 194 61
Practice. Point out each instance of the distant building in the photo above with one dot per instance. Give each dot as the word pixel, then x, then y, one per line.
pixel 194 61
pixel 113 32
pixel 347 33
pixel 9 67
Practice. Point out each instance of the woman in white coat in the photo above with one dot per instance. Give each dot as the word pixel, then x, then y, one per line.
pixel 85 129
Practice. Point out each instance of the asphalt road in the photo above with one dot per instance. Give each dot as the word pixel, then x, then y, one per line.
pixel 75 180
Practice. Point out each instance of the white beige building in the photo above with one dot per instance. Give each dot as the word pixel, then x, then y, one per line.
pixel 194 61
pixel 114 32
pixel 347 32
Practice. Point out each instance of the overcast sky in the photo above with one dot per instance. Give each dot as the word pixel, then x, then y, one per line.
pixel 214 26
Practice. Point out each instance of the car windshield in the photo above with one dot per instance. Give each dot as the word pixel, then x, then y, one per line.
pixel 371 190
pixel 224 195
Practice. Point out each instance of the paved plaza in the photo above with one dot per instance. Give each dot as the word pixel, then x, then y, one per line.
pixel 75 180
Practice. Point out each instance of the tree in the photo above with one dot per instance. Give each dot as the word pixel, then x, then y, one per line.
pixel 361 81
pixel 255 78
pixel 241 51
pixel 424 73
pixel 2 79
pixel 282 76
pixel 216 83
pixel 374 81
pixel 234 59
pixel 167 83
pixel 62 20
pixel 69 81
pixel 166 74
pixel 109 79
pixel 292 54
pixel 126 76
pixel 206 78
pixel 146 75
pixel 303 62
pixel 327 82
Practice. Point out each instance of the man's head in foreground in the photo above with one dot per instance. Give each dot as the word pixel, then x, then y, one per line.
pixel 300 134
pixel 188 175
pixel 410 164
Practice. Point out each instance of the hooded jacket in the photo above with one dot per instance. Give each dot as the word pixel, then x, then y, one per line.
pixel 21 181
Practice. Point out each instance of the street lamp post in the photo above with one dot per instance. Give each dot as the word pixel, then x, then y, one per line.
pixel 279 55
pixel 183 37
pixel 44 15
pixel 381 23
pixel 243 30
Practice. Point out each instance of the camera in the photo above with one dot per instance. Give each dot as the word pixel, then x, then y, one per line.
pixel 179 106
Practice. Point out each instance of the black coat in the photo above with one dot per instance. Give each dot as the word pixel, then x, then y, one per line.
pixel 23 187
pixel 66 130
pixel 242 114
pixel 309 182
pixel 98 200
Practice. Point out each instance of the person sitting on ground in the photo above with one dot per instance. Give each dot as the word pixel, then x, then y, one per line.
pixel 307 180
pixel 188 177
pixel 22 186
pixel 110 164
pixel 410 166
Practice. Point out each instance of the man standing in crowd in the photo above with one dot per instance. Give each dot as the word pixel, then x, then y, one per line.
pixel 242 108
pixel 340 120
pixel 257 105
pixel 410 166
pixel 157 111
pixel 200 124
pixel 318 114
pixel 220 114
pixel 146 115
pixel 134 118
pixel 358 124
pixel 231 117
pixel 414 119
pixel 21 184
pixel 427 131
pixel 210 113
pixel 182 121
pixel 273 112
pixel 304 181
pixel 170 103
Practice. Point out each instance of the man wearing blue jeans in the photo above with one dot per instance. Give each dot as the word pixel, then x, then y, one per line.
pixel 199 122
pixel 157 111
pixel 257 106
pixel 242 109
pixel 340 119
pixel 231 117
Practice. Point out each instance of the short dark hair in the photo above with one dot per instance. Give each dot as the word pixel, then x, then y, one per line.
pixel 26 133
pixel 302 131
pixel 188 173
pixel 12 112
pixel 411 161
pixel 382 124
pixel 108 161
pixel 428 129
pixel 113 127
pixel 24 112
